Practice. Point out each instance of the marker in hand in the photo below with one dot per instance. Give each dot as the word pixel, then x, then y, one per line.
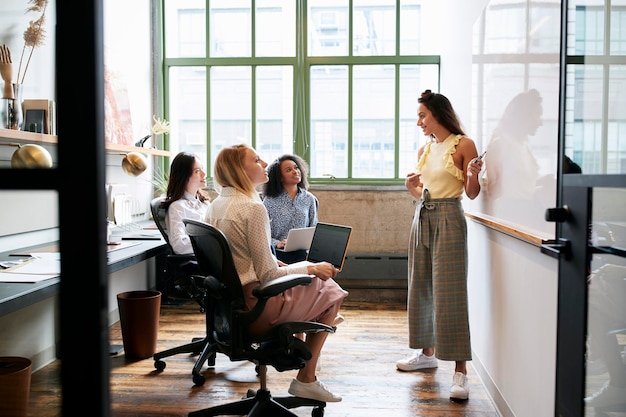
pixel 480 158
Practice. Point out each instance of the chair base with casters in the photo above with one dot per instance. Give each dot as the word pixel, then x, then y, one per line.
pixel 198 345
pixel 260 403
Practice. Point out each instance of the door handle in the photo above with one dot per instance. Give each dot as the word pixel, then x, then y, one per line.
pixel 560 246
pixel 557 214
pixel 557 248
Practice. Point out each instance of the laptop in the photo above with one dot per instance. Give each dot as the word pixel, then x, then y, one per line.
pixel 298 239
pixel 330 244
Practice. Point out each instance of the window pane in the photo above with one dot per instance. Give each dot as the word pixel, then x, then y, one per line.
pixel 616 138
pixel 274 111
pixel 374 31
pixel 275 27
pixel 413 80
pixel 588 27
pixel 328 27
pixel 329 121
pixel 187 110
pixel 618 27
pixel 584 116
pixel 373 135
pixel 230 28
pixel 505 29
pixel 185 34
pixel 410 26
pixel 545 21
pixel 231 107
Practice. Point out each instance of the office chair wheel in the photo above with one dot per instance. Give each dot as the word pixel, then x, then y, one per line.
pixel 159 365
pixel 198 379
pixel 317 412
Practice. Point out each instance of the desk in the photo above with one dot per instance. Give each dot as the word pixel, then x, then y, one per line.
pixel 29 318
pixel 14 296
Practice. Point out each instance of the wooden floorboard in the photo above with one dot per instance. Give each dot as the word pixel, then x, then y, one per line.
pixel 358 363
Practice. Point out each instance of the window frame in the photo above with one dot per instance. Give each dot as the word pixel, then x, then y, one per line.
pixel 301 76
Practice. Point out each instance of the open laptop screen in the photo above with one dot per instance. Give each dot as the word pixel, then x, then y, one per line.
pixel 330 244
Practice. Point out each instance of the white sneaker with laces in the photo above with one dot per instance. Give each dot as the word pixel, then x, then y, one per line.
pixel 312 390
pixel 416 361
pixel 459 389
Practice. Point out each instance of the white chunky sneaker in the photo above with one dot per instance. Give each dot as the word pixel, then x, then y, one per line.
pixel 312 390
pixel 459 389
pixel 416 361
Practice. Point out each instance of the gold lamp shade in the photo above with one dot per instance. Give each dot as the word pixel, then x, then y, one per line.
pixel 134 163
pixel 31 156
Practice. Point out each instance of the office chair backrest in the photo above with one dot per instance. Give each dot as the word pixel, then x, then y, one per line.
pixel 215 258
pixel 159 213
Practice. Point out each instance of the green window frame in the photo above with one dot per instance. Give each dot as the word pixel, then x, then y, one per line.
pixel 335 82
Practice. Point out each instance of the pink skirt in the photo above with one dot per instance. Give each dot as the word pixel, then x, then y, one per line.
pixel 320 302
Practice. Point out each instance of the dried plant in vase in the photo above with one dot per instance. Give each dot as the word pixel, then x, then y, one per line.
pixel 160 127
pixel 34 35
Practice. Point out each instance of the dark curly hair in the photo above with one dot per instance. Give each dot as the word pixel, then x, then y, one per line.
pixel 442 110
pixel 274 187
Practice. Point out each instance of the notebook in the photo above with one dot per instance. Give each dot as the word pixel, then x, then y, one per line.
pixel 298 239
pixel 330 244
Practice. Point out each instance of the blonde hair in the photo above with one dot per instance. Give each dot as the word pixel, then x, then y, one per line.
pixel 228 170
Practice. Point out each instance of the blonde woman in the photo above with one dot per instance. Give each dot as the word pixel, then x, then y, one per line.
pixel 240 214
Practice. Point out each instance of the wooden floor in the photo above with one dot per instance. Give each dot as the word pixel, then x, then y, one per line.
pixel 358 363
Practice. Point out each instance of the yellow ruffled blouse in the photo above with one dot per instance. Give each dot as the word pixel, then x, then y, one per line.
pixel 439 174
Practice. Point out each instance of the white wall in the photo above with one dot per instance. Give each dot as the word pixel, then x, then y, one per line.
pixel 512 286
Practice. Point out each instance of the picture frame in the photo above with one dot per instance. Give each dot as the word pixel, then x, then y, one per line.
pixel 40 111
pixel 34 120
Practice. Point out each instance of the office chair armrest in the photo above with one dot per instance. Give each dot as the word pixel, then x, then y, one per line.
pixel 180 258
pixel 210 283
pixel 278 285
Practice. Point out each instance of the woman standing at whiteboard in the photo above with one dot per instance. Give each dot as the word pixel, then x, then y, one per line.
pixel 438 314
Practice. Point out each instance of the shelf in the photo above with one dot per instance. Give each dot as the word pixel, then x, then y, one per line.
pixel 112 147
pixel 22 136
pixel 7 135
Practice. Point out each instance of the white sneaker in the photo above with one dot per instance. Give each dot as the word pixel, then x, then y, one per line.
pixel 459 389
pixel 312 390
pixel 607 396
pixel 338 320
pixel 416 361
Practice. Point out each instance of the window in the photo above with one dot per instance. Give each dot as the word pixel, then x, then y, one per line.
pixel 596 82
pixel 335 81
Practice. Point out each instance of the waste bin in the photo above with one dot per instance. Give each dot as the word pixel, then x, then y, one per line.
pixel 14 386
pixel 139 320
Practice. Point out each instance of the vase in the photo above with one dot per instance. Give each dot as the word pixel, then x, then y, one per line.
pixel 16 114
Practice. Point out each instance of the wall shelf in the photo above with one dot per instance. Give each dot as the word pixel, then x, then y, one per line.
pixel 21 137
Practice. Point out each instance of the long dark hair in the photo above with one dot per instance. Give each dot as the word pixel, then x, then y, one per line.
pixel 442 110
pixel 274 187
pixel 180 171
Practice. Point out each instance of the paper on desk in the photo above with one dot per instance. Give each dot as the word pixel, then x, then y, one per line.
pixel 10 277
pixel 43 265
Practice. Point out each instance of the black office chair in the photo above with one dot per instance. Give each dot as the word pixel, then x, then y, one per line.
pixel 181 285
pixel 277 347
pixel 178 268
